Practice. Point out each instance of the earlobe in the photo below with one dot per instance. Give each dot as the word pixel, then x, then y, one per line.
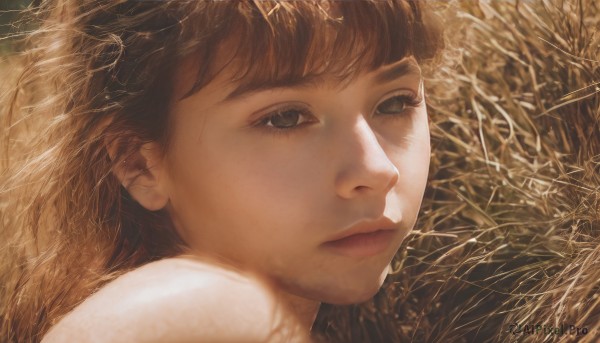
pixel 141 172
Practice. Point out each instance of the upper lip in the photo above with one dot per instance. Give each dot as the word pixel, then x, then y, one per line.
pixel 365 226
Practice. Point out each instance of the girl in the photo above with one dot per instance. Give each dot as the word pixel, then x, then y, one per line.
pixel 209 170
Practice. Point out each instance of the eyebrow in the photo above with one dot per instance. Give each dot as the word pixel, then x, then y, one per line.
pixel 246 90
pixel 398 70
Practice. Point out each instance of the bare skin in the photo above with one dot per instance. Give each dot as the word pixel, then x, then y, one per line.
pixel 184 299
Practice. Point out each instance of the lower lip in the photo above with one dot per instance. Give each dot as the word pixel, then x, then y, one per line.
pixel 363 244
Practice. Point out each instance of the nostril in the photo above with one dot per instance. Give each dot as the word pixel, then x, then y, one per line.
pixel 361 189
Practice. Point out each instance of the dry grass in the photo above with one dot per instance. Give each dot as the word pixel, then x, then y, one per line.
pixel 509 227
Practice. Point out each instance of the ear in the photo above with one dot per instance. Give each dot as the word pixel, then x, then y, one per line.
pixel 142 173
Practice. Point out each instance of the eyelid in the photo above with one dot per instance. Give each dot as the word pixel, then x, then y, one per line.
pixel 257 116
pixel 419 98
pixel 266 116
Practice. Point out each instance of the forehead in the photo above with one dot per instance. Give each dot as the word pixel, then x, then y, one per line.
pixel 275 44
pixel 223 90
pixel 234 88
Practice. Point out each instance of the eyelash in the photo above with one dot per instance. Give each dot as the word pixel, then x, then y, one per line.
pixel 410 101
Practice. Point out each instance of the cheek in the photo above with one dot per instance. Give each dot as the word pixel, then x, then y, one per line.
pixel 416 154
pixel 411 156
pixel 277 190
pixel 407 142
pixel 236 184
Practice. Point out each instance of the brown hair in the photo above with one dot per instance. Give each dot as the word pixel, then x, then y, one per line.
pixel 100 72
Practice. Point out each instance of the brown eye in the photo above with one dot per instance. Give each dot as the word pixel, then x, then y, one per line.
pixel 286 118
pixel 396 105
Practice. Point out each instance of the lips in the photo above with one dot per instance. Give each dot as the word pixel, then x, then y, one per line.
pixel 363 240
pixel 365 227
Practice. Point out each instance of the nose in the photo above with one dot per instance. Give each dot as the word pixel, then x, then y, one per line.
pixel 364 167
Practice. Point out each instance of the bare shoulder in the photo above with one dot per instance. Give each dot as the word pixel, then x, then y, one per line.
pixel 179 300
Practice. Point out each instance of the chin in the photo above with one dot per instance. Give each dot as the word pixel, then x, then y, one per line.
pixel 336 289
pixel 353 298
pixel 355 292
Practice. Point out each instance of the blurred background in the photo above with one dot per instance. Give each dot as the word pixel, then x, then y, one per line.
pixel 9 10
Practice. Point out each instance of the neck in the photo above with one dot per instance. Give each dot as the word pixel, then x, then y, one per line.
pixel 303 309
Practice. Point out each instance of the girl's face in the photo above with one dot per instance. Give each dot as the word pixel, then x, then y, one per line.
pixel 264 179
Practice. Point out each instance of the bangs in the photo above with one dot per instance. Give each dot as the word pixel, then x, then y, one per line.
pixel 275 44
